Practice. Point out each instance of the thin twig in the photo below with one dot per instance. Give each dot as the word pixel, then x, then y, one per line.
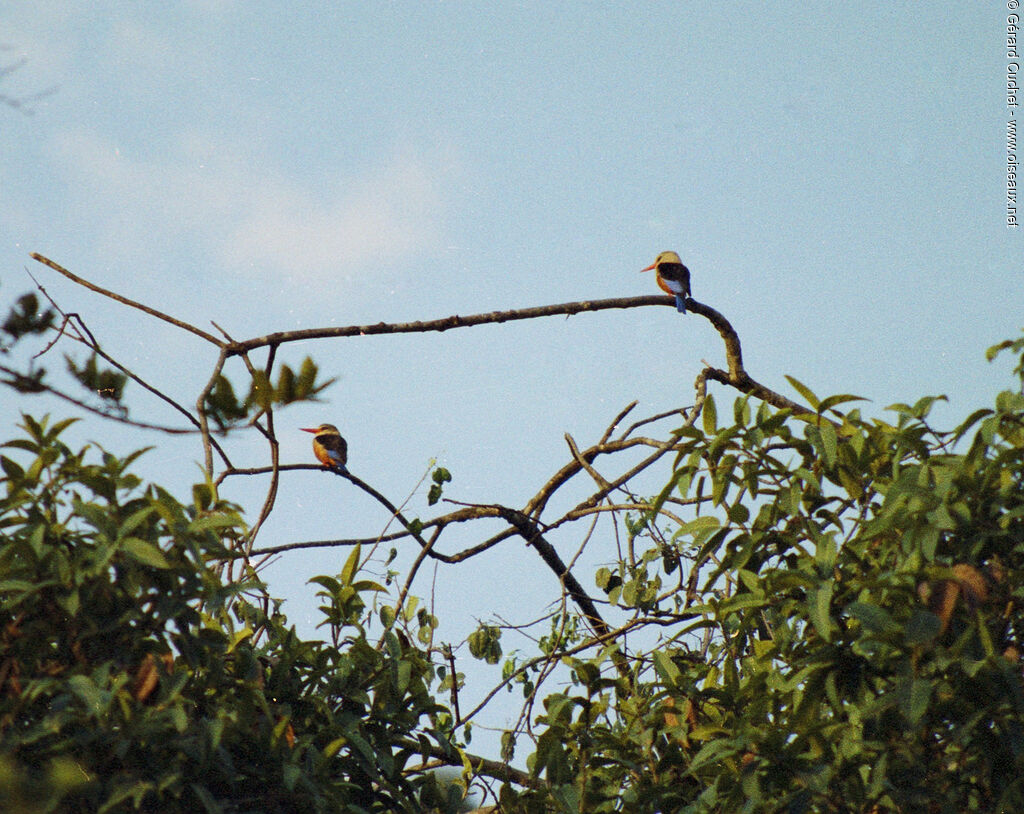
pixel 204 418
pixel 185 326
pixel 26 384
pixel 616 421
pixel 89 340
pixel 275 454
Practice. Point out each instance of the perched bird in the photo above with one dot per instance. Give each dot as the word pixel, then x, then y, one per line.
pixel 673 277
pixel 328 446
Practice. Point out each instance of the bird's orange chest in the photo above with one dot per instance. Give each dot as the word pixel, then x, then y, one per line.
pixel 321 452
pixel 663 285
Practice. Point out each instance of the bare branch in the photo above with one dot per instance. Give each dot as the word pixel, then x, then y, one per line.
pixel 185 326
pixel 19 381
pixel 617 420
pixel 585 464
pixel 447 323
pixel 652 419
pixel 204 419
pixel 22 103
pixel 275 455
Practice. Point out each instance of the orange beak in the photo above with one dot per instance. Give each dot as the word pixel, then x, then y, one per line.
pixel 649 268
pixel 308 429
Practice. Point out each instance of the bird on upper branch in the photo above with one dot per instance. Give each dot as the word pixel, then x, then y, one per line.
pixel 329 447
pixel 673 277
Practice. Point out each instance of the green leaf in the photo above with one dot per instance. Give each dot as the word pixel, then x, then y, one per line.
pixel 329 583
pixel 88 693
pixel 832 401
pixel 829 443
pixel 106 383
pixel 874 618
pixel 700 527
pixel 361 745
pixel 854 488
pixel 11 469
pixel 740 602
pixel 367 585
pixel 24 319
pixel 709 415
pixel 715 751
pixel 805 391
pixel 222 404
pixel 213 522
pixel 290 774
pixel 348 573
pixel 146 553
pixel 261 391
pixel 819 602
pixel 750 581
pixel 332 748
pixel 284 393
pixel 741 411
pixel 923 627
pixel 914 695
pixel 666 668
pixel 738 514
pixel 566 796
pixel 70 602
pixel 825 551
pixel 134 520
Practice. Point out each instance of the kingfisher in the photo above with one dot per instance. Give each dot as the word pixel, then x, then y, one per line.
pixel 673 277
pixel 328 446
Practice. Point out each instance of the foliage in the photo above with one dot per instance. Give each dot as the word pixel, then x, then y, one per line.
pixel 24 319
pixel 858 644
pixel 820 611
pixel 224 407
pixel 132 677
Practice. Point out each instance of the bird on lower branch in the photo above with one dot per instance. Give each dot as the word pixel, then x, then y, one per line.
pixel 329 447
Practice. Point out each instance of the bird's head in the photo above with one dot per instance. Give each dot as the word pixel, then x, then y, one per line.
pixel 323 429
pixel 664 257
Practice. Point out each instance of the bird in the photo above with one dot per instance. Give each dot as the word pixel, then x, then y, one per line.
pixel 673 277
pixel 329 447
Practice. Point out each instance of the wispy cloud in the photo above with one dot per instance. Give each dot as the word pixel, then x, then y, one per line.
pixel 385 213
pixel 249 215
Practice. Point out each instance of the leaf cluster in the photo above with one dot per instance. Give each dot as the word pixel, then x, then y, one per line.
pixel 848 626
pixel 224 407
pixel 132 677
pixel 820 611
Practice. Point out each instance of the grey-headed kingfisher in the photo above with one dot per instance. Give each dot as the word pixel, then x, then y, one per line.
pixel 673 277
pixel 328 446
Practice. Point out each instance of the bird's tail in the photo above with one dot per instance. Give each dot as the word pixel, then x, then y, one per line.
pixel 680 303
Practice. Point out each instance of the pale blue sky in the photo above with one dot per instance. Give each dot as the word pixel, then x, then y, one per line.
pixel 833 175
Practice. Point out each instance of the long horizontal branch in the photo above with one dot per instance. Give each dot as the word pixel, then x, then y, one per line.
pixel 736 375
pixel 456 321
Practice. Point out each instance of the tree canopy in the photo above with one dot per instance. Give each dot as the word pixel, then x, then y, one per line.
pixel 820 611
